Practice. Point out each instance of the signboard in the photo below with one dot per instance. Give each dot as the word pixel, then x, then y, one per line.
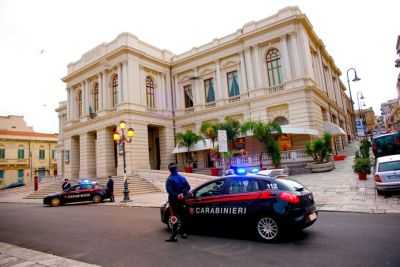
pixel 222 141
pixel 360 127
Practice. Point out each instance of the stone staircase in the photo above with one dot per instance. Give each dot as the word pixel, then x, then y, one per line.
pixel 136 185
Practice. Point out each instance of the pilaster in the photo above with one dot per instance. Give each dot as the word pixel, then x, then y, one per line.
pixel 87 156
pixel 105 164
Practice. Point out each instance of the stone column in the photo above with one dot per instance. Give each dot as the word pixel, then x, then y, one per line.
pixel 250 68
pixel 106 91
pixel 100 91
pixel 105 164
pixel 120 95
pixel 72 167
pixel 305 48
pixel 124 78
pixel 294 56
pixel 87 156
pixel 166 146
pixel 179 103
pixel 285 58
pixel 220 94
pixel 137 152
pixel 243 76
pixel 257 70
pixel 68 103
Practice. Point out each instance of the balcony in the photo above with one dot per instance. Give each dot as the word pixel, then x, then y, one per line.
pixel 14 162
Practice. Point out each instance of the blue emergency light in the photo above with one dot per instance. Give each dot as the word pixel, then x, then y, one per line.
pixel 241 171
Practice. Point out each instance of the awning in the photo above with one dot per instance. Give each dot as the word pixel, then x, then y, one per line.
pixel 200 145
pixel 333 128
pixel 298 130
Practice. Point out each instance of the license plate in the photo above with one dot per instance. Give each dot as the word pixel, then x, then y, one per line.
pixel 393 177
pixel 312 216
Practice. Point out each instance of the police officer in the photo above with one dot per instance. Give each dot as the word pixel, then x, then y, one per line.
pixel 66 185
pixel 110 188
pixel 177 188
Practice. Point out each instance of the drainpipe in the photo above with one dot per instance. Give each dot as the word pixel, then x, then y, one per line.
pixel 173 108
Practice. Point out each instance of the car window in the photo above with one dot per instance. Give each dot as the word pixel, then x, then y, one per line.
pixel 74 187
pixel 285 184
pixel 212 189
pixel 84 186
pixel 389 166
pixel 268 185
pixel 243 185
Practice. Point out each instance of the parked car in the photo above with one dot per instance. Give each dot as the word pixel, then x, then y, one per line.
pixel 386 144
pixel 265 206
pixel 387 174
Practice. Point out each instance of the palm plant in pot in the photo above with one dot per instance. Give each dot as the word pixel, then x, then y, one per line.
pixel 232 128
pixel 266 133
pixel 362 166
pixel 209 130
pixel 188 139
pixel 320 150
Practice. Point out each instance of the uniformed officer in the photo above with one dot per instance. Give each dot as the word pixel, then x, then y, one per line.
pixel 66 185
pixel 177 188
pixel 110 188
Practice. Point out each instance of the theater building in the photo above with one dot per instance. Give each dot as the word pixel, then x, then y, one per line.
pixel 275 69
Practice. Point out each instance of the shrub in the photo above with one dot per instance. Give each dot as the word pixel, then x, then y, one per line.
pixel 320 149
pixel 362 165
pixel 365 145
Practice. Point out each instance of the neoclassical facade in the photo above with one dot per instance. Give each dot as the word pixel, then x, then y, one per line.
pixel 273 69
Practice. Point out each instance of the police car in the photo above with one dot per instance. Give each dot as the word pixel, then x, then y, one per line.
pixel 249 201
pixel 85 190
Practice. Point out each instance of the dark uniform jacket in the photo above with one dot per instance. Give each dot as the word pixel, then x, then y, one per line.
pixel 176 184
pixel 110 185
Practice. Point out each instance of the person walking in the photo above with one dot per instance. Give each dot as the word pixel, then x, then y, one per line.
pixel 110 188
pixel 66 185
pixel 177 189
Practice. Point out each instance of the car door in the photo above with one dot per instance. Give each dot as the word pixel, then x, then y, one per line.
pixel 205 205
pixel 71 195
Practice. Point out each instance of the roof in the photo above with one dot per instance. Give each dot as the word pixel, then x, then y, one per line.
pixel 386 134
pixel 388 158
pixel 27 135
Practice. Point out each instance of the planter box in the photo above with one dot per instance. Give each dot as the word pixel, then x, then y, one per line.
pixel 215 172
pixel 321 167
pixel 188 169
pixel 362 176
pixel 339 157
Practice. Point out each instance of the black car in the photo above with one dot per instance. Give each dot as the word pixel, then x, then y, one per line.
pixel 84 191
pixel 264 205
pixel 386 144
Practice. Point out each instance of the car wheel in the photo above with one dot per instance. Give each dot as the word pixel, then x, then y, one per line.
pixel 55 202
pixel 268 229
pixel 97 199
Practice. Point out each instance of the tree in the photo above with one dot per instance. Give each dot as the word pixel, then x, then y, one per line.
pixel 188 139
pixel 266 133
pixel 209 130
pixel 232 128
pixel 320 149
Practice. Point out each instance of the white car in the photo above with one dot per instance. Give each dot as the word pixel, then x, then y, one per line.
pixel 387 174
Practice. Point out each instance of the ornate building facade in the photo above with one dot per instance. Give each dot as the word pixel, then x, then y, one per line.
pixel 275 69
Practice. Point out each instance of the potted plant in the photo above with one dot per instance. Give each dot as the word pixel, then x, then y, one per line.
pixel 266 133
pixel 320 150
pixel 209 130
pixel 362 166
pixel 188 139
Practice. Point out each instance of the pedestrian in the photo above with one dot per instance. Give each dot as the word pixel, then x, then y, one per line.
pixel 66 186
pixel 177 188
pixel 110 188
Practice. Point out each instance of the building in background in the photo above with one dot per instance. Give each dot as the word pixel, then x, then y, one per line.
pixel 386 110
pixel 368 118
pixel 276 69
pixel 24 153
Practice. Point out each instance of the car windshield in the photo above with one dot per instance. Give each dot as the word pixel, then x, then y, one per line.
pixel 387 139
pixel 291 185
pixel 389 166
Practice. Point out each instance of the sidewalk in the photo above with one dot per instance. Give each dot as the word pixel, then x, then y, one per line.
pixel 14 256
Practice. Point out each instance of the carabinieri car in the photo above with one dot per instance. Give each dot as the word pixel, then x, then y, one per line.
pixel 86 190
pixel 264 205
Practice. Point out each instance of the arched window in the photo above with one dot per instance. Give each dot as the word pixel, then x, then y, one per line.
pixel 114 86
pixel 281 120
pixel 274 68
pixel 95 97
pixel 150 92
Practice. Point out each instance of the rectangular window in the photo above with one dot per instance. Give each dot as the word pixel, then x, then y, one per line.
pixel 2 153
pixel 209 90
pixel 233 84
pixel 42 154
pixel 53 154
pixel 20 173
pixel 21 153
pixel 188 96
pixel 1 174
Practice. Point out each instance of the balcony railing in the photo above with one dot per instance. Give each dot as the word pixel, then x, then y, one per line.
pixel 254 159
pixel 274 89
pixel 4 162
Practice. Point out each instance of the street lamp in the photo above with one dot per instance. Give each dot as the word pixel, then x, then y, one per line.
pixel 121 137
pixel 360 96
pixel 355 79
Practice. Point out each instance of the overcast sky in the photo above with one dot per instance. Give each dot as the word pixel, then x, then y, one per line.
pixel 39 38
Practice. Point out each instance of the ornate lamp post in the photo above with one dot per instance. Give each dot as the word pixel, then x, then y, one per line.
pixel 122 136
pixel 355 79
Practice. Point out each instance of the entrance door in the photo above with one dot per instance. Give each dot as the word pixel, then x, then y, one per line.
pixel 154 147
